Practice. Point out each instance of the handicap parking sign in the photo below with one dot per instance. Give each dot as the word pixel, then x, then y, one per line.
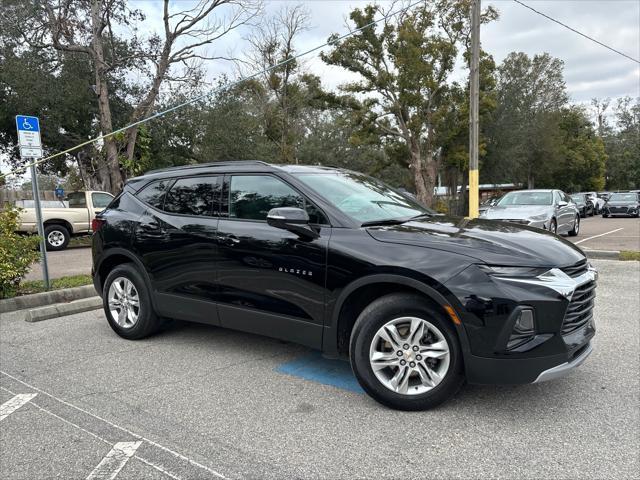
pixel 29 136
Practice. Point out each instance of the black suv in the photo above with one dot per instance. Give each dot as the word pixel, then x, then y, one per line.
pixel 340 262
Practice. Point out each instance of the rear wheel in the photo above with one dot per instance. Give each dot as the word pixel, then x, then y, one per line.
pixel 576 227
pixel 127 303
pixel 56 237
pixel 405 354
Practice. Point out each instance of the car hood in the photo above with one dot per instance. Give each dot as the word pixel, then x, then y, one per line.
pixel 495 243
pixel 517 211
pixel 622 203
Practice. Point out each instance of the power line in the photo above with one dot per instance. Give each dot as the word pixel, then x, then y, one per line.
pixel 210 92
pixel 578 32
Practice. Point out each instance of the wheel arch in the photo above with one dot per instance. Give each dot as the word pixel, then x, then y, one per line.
pixel 361 292
pixel 113 258
pixel 61 222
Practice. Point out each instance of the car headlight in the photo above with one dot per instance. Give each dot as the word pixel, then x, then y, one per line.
pixel 540 217
pixel 513 272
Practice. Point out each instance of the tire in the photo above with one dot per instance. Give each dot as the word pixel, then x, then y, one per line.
pixel 605 215
pixel 576 227
pixel 553 226
pixel 56 237
pixel 365 340
pixel 146 321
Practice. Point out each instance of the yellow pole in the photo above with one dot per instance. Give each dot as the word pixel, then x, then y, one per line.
pixel 474 99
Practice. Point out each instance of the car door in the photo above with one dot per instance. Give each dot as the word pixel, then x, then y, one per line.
pixel 177 241
pixel 271 281
pixel 566 212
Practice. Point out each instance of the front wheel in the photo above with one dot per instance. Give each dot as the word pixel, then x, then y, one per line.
pixel 405 354
pixel 553 227
pixel 127 303
pixel 576 227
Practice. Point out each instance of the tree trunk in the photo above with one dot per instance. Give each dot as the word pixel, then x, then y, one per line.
pixel 114 179
pixel 530 179
pixel 423 174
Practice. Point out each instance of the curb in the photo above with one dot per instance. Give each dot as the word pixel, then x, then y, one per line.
pixel 62 309
pixel 46 298
pixel 603 254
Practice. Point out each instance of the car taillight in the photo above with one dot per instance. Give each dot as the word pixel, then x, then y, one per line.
pixel 96 224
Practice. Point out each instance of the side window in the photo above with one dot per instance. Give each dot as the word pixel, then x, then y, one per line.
pixel 101 200
pixel 252 196
pixel 192 196
pixel 153 194
pixel 556 197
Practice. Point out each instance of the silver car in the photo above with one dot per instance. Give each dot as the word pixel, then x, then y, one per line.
pixel 551 210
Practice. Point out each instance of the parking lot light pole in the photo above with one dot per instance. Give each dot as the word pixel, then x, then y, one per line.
pixel 474 100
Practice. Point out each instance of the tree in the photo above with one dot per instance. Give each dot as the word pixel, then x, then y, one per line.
pixel 623 146
pixel 90 29
pixel 403 67
pixel 531 91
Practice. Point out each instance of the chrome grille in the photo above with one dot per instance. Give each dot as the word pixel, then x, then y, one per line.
pixel 580 309
pixel 577 269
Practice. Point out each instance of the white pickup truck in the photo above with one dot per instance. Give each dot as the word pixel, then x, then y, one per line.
pixel 71 217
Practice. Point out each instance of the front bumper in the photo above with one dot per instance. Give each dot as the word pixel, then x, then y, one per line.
pixel 563 369
pixel 564 325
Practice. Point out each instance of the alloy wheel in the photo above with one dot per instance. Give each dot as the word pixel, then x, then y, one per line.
pixel 55 238
pixel 124 302
pixel 409 355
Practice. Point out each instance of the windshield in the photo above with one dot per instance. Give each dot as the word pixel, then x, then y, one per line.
pixel 363 198
pixel 526 198
pixel 623 197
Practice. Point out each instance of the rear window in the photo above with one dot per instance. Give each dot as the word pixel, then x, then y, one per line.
pixel 77 200
pixel 192 196
pixel 153 194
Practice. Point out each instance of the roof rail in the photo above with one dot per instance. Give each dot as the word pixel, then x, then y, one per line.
pixel 210 164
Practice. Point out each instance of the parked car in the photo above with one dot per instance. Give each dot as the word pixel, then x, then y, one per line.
pixel 597 202
pixel 338 261
pixel 549 210
pixel 627 204
pixel 70 218
pixel 584 205
pixel 487 204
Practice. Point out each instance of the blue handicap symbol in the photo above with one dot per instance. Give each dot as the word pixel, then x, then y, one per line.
pixel 316 368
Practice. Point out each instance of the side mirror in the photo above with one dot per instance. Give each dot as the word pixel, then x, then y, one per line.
pixel 294 220
pixel 562 203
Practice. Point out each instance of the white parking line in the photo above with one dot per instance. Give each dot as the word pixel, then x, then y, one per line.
pixel 98 437
pixel 15 403
pixel 155 444
pixel 601 235
pixel 113 462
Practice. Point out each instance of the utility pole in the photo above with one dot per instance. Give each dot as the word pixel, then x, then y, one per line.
pixel 474 99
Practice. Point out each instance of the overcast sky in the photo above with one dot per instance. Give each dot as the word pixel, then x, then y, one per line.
pixel 590 69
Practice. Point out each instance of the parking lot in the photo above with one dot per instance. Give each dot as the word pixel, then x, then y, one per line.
pixel 197 402
pixel 615 233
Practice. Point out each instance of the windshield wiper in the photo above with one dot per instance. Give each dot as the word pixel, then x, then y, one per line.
pixel 386 221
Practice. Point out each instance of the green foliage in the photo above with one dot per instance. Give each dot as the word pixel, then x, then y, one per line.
pixel 622 145
pixel 17 252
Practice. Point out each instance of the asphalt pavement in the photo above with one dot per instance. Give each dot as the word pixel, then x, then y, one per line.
pixel 614 233
pixel 72 261
pixel 198 402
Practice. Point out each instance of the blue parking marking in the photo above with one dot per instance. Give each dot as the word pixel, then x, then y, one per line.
pixel 315 368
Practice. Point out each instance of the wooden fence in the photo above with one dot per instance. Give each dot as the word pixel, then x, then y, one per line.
pixel 11 196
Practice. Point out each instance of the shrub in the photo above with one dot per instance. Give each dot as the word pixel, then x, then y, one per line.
pixel 17 252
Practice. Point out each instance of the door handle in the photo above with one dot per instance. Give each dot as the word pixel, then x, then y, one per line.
pixel 231 240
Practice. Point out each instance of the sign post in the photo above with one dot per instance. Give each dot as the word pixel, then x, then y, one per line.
pixel 30 149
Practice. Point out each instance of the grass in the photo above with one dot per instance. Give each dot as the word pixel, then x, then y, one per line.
pixel 83 241
pixel 37 286
pixel 629 255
